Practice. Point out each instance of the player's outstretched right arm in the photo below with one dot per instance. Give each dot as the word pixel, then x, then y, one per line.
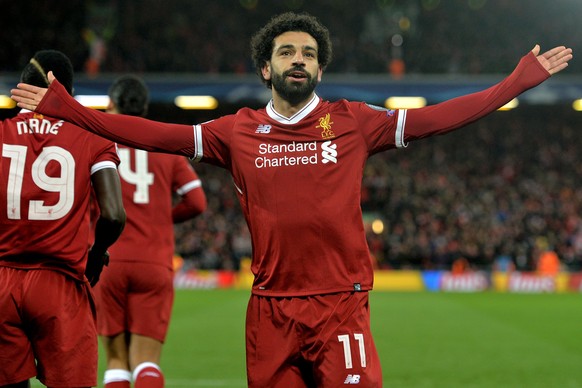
pixel 131 131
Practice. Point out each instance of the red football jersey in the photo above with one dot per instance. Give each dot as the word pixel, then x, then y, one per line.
pixel 148 181
pixel 298 179
pixel 299 183
pixel 45 187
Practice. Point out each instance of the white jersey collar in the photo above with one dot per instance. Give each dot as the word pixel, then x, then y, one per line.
pixel 297 117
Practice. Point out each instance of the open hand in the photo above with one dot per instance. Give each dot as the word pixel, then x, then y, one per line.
pixel 29 96
pixel 553 60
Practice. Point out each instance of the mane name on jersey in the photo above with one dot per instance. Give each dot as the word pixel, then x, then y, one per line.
pixel 38 126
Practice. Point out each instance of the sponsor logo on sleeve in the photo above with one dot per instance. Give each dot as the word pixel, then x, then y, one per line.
pixel 389 112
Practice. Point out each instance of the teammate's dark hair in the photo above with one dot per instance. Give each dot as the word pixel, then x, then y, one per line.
pixel 130 95
pixel 35 72
pixel 262 43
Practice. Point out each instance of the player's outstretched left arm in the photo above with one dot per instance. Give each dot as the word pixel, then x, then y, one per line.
pixel 533 69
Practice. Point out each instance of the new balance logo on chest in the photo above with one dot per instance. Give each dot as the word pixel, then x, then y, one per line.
pixel 352 379
pixel 263 128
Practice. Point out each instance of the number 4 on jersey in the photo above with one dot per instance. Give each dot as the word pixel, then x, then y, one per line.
pixel 141 178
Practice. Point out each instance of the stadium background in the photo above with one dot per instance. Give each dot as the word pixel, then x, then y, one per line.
pixel 454 212
pixel 499 191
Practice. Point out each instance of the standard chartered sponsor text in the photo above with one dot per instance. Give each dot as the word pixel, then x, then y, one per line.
pixel 270 154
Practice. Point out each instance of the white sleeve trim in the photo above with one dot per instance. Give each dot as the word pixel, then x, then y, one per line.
pixel 101 165
pixel 189 186
pixel 198 151
pixel 400 125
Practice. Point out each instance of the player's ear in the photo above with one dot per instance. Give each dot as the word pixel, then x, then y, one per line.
pixel 266 71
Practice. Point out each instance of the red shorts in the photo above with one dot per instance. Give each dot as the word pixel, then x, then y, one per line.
pixel 322 341
pixel 136 298
pixel 48 317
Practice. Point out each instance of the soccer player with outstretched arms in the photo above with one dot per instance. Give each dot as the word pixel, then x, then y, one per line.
pixel 297 168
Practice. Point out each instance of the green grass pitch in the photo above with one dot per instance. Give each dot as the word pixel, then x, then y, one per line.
pixel 425 340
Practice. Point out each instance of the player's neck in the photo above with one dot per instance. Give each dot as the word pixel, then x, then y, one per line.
pixel 287 109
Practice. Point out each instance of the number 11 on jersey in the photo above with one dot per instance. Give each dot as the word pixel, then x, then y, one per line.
pixel 345 340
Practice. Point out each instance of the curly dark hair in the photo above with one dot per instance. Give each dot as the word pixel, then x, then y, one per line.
pixel 262 42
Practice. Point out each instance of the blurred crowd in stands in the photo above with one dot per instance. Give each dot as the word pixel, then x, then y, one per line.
pixel 504 191
pixel 369 36
pixel 499 194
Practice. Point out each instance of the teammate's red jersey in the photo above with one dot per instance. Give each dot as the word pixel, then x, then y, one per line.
pixel 298 179
pixel 148 181
pixel 45 186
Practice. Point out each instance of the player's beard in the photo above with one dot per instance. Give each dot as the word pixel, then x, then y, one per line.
pixel 293 92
